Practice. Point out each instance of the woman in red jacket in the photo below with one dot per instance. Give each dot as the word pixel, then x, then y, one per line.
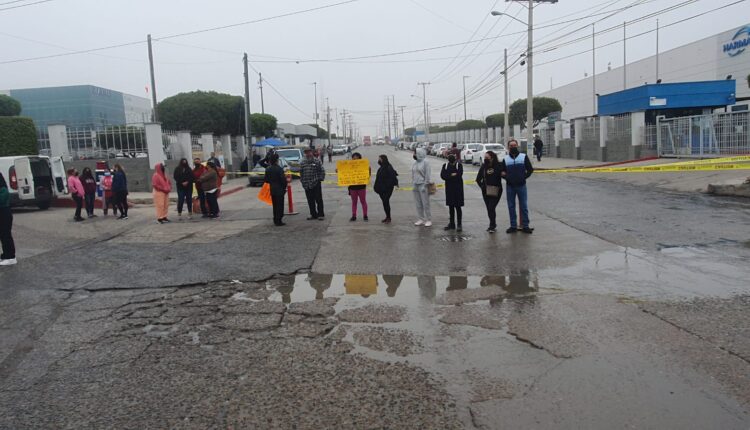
pixel 162 188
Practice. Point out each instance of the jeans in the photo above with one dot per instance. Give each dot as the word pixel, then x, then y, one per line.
pixel 185 196
pixel 107 202
pixel 491 204
pixel 386 199
pixel 315 201
pixel 522 198
pixel 6 239
pixel 422 199
pixel 89 200
pixel 202 200
pixel 79 205
pixel 360 195
pixel 455 212
pixel 278 208
pixel 213 203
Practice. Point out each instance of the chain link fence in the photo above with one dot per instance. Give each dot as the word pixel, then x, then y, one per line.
pixel 717 134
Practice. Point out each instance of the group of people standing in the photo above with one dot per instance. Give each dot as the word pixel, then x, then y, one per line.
pixel 514 168
pixel 83 189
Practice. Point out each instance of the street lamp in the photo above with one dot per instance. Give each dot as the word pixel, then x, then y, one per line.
pixel 530 68
pixel 465 96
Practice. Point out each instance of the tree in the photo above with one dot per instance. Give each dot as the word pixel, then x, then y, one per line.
pixel 322 132
pixel 9 106
pixel 543 106
pixel 263 124
pixel 17 136
pixel 470 124
pixel 496 120
pixel 203 112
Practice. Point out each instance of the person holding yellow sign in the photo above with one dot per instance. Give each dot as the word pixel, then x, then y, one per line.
pixel 359 192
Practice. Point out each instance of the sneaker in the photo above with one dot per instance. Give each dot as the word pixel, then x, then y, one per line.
pixel 527 230
pixel 311 218
pixel 160 221
pixel 79 219
pixel 321 218
pixel 491 230
pixel 279 224
pixel 449 227
pixel 419 222
pixel 365 219
pixel 387 221
pixel 8 262
pixel 428 224
pixel 459 228
pixel 124 217
pixel 511 230
pixel 166 220
pixel 353 218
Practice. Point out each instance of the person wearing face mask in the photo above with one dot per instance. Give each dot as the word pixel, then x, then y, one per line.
pixel 490 181
pixel 76 192
pixel 516 168
pixel 184 180
pixel 385 180
pixel 162 187
pixel 420 176
pixel 198 171
pixel 311 176
pixel 453 175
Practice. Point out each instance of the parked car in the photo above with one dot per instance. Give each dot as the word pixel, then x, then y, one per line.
pixel 438 150
pixel 34 180
pixel 292 155
pixel 497 148
pixel 339 149
pixel 468 150
pixel 258 173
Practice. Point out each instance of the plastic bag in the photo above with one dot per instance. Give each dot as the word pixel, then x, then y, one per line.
pixel 264 194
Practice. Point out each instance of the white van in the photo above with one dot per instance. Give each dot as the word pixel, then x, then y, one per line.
pixel 34 180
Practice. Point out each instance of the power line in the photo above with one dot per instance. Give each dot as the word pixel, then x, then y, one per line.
pixel 22 5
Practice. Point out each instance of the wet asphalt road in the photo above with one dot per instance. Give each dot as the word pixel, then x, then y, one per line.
pixel 627 307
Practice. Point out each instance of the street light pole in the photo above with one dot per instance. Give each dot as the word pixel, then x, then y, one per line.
pixel 424 104
pixel 593 65
pixel 530 79
pixel 248 139
pixel 315 84
pixel 506 126
pixel 465 96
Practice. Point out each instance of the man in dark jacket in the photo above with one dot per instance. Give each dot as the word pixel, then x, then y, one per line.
pixel 198 171
pixel 516 168
pixel 538 147
pixel 184 179
pixel 311 175
pixel 277 181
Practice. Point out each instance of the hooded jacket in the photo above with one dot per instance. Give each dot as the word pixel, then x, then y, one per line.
pixel 75 186
pixel 119 181
pixel 385 179
pixel 420 170
pixel 159 181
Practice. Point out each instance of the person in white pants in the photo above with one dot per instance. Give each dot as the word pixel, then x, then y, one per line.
pixel 420 176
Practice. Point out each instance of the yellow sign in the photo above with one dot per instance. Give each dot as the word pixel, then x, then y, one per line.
pixel 361 284
pixel 353 172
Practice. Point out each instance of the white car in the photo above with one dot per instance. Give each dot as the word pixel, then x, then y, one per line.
pixel 468 150
pixel 437 150
pixel 497 148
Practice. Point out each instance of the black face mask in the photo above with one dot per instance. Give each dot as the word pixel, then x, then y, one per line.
pixel 380 163
pixel 514 151
pixel 414 156
pixel 487 162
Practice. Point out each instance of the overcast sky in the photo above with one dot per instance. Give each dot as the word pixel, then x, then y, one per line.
pixel 212 60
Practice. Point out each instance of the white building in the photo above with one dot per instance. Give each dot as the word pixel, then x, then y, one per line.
pixel 712 58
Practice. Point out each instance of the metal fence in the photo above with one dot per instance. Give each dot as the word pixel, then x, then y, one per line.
pixel 85 143
pixel 169 140
pixel 702 135
pixel 196 145
pixel 619 127
pixel 648 137
pixel 590 130
pixel 42 140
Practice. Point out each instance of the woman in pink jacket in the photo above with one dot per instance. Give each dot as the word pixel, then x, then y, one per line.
pixel 75 187
pixel 162 188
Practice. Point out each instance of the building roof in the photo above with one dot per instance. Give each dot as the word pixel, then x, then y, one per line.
pixel 680 95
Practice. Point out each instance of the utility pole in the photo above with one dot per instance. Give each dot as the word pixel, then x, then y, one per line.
pixel 624 56
pixel 593 65
pixel 328 123
pixel 424 104
pixel 262 104
pixel 464 79
pixel 315 84
pixel 154 114
pixel 395 117
pixel 388 115
pixel 403 122
pixel 343 123
pixel 506 126
pixel 657 50
pixel 248 135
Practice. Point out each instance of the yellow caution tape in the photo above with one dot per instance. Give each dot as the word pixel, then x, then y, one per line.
pixel 739 158
pixel 656 168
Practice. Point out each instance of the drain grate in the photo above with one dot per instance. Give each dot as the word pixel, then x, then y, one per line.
pixel 454 238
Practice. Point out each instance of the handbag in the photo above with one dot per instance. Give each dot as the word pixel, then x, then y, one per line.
pixel 490 190
pixel 431 189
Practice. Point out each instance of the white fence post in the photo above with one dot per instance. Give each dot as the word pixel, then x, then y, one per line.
pixel 58 141
pixel 603 136
pixel 517 133
pixel 207 141
pixel 558 136
pixel 579 136
pixel 184 146
pixel 154 143
pixel 226 150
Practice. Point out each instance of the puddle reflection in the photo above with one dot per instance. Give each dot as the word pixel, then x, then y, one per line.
pixel 405 290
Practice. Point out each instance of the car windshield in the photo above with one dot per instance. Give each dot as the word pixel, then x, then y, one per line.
pixel 473 147
pixel 494 147
pixel 289 154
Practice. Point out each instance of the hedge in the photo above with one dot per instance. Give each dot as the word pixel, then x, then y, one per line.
pixel 17 136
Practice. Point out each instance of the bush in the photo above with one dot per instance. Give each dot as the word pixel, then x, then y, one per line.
pixel 9 106
pixel 17 136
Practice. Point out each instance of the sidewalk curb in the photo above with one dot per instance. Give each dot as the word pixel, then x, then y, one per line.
pixel 67 202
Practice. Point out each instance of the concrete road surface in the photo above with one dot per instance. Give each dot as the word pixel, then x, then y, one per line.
pixel 628 307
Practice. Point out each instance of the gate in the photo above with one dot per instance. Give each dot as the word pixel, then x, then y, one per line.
pixel 717 134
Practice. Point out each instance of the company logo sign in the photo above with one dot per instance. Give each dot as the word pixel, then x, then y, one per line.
pixel 739 43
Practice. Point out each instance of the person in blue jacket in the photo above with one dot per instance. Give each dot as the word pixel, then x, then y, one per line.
pixel 516 168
